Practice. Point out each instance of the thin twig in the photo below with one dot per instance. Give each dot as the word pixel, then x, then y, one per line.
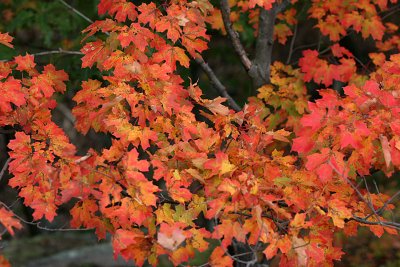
pixel 369 204
pixel 233 35
pixel 381 209
pixel 365 220
pixel 392 225
pixel 4 168
pixel 282 6
pixel 391 12
pixel 233 257
pixel 75 11
pixel 51 52
pixel 304 46
pixel 217 84
pixel 39 226
pixel 59 51
pixel 292 45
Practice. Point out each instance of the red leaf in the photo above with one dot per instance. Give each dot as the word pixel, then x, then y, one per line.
pixel 315 252
pixel 11 92
pixel 302 144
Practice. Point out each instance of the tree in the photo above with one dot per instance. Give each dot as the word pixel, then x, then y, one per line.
pixel 275 177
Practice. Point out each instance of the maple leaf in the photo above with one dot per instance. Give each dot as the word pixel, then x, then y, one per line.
pixel 44 207
pixel 315 252
pixel 386 150
pixel 267 4
pixel 216 107
pixel 95 52
pixel 234 168
pixel 282 32
pixel 104 6
pixel 229 230
pixel 122 10
pixel 302 144
pixel 42 85
pixel 219 259
pixel 8 220
pixel 57 77
pixel 25 63
pixel 170 238
pixel 220 165
pixel 332 27
pixel 314 160
pixel 172 54
pixel 194 39
pixel 137 35
pixel 315 118
pixel 132 163
pixel 11 92
pixel 147 190
pixel 149 14
pixel 6 39
pixel 374 27
pixel 338 211
pixel 131 244
pixel 171 26
pixel 4 262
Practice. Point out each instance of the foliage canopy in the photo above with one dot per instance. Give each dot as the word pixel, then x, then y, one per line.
pixel 276 177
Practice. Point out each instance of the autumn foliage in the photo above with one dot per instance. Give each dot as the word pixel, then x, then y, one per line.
pixel 278 176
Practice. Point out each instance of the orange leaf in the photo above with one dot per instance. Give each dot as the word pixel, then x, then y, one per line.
pixel 267 4
pixel 8 220
pixel 219 259
pixel 220 165
pixel 6 39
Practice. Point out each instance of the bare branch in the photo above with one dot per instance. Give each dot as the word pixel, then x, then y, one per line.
pixel 289 58
pixel 369 204
pixel 59 51
pixel 217 84
pixel 365 220
pixel 260 69
pixel 4 168
pixel 75 11
pixel 51 52
pixel 390 200
pixel 233 35
pixel 282 6
pixel 392 225
pixel 39 226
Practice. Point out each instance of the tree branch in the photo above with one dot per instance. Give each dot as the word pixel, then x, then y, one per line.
pixel 5 166
pixel 282 6
pixel 233 35
pixel 260 69
pixel 392 225
pixel 217 84
pixel 75 11
pixel 44 53
pixel 289 58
